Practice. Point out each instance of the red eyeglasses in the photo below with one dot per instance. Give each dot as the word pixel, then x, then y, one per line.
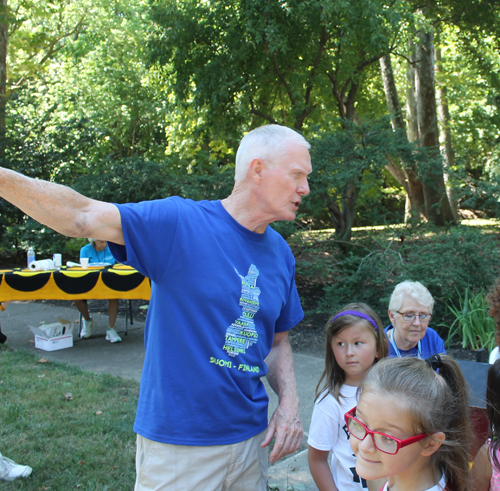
pixel 385 443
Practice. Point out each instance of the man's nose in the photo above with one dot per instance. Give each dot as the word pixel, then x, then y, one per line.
pixel 303 189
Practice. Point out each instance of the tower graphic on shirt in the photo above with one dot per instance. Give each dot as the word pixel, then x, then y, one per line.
pixel 241 334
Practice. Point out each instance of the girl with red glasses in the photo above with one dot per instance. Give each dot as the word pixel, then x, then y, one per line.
pixel 355 340
pixel 411 425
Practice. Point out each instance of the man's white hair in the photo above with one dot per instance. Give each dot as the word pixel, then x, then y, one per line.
pixel 266 143
pixel 412 289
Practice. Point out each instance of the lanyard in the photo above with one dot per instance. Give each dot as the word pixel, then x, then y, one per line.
pixel 398 354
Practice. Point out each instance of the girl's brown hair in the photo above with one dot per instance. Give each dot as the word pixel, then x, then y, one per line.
pixel 333 375
pixel 435 402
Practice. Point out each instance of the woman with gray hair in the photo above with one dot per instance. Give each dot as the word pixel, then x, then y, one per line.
pixel 410 311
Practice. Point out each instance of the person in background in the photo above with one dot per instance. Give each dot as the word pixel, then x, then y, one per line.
pixel 493 300
pixel 98 253
pixel 486 468
pixel 410 311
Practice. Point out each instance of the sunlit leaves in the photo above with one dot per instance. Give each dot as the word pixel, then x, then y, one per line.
pixel 285 62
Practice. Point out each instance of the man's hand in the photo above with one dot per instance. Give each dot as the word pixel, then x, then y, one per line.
pixel 285 423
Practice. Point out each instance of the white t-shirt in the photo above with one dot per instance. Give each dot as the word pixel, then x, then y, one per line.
pixel 438 487
pixel 328 432
pixel 494 355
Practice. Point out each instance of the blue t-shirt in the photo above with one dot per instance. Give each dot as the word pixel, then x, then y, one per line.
pixel 95 256
pixel 219 293
pixel 430 344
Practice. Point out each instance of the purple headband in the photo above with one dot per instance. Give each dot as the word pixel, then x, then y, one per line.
pixel 357 314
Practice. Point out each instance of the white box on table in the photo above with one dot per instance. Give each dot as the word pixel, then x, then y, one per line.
pixel 52 337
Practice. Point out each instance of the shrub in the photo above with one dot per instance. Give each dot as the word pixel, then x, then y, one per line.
pixel 472 326
pixel 367 270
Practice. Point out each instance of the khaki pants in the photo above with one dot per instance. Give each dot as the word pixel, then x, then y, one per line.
pixel 237 467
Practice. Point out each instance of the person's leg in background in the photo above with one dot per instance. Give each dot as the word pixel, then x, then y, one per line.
pixel 3 337
pixel 111 334
pixel 88 322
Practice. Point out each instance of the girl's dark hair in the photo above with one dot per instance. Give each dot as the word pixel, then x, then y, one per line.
pixel 493 410
pixel 333 375
pixel 436 402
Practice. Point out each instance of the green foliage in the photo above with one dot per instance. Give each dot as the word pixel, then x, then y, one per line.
pixel 38 31
pixel 348 166
pixel 461 258
pixel 37 148
pixel 270 61
pixel 472 326
pixel 480 195
pixel 471 64
pixel 136 179
pixel 72 152
pixel 137 100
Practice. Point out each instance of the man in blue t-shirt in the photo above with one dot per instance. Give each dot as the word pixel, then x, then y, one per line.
pixel 223 298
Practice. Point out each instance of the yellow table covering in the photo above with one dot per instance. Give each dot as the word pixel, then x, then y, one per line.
pixel 118 281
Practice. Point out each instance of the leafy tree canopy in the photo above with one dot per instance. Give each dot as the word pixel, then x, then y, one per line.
pixel 293 63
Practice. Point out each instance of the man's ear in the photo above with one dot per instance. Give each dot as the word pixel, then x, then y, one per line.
pixel 255 168
pixel 432 443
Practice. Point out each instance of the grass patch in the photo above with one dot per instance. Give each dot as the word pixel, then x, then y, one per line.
pixel 74 428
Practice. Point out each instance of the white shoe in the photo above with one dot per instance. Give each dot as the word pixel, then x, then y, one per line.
pixel 87 328
pixel 112 336
pixel 18 471
pixel 9 470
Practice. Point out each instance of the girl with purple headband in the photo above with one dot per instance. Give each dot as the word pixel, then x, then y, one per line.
pixel 355 340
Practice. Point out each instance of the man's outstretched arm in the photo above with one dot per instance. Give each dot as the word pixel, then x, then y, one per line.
pixel 61 208
pixel 285 422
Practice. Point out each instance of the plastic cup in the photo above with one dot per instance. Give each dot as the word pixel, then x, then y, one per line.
pixel 84 262
pixel 57 258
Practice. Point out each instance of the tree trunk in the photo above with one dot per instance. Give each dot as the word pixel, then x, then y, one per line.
pixel 413 186
pixel 4 38
pixel 445 136
pixel 437 206
pixel 391 93
pixel 343 215
pixel 411 96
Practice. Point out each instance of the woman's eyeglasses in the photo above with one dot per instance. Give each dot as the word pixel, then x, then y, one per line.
pixel 384 443
pixel 410 316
